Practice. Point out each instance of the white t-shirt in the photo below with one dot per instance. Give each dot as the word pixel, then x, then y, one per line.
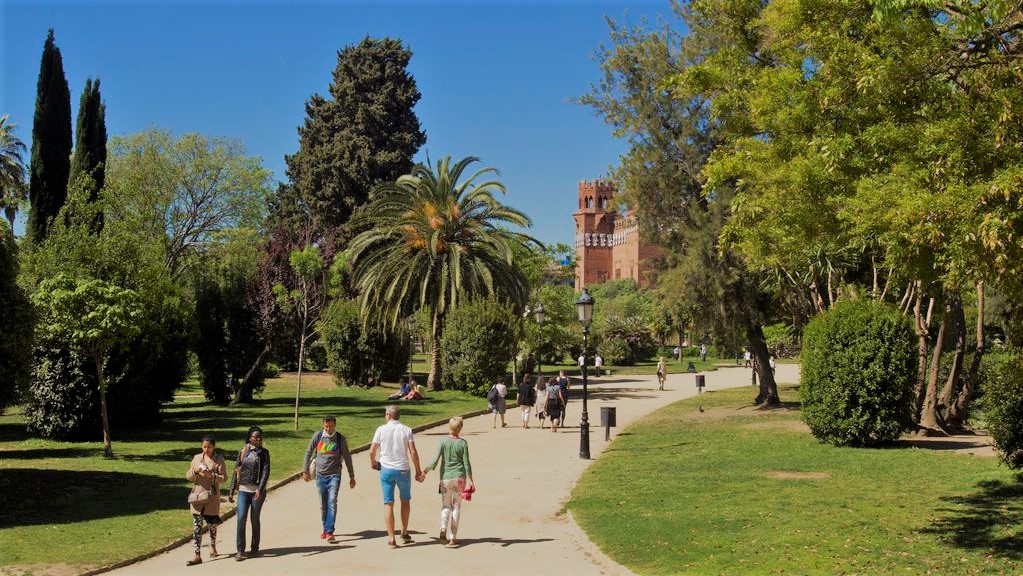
pixel 393 438
pixel 502 390
pixel 582 360
pixel 598 361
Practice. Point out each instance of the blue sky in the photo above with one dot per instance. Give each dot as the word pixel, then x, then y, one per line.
pixel 496 77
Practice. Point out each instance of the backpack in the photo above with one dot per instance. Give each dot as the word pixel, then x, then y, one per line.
pixel 492 395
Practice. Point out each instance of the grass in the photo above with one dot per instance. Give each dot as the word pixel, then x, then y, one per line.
pixel 65 502
pixel 736 491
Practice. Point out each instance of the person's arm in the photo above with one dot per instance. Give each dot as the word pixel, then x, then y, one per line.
pixel 234 477
pixel 436 459
pixel 264 474
pixel 308 455
pixel 190 475
pixel 414 455
pixel 465 461
pixel 374 449
pixel 347 455
pixel 220 474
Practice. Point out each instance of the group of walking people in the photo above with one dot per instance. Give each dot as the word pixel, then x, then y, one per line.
pixel 393 453
pixel 546 397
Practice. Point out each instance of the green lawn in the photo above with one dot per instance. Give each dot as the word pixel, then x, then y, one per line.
pixel 65 502
pixel 735 491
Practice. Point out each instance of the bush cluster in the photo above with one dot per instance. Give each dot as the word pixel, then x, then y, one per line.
pixel 1002 405
pixel 858 374
pixel 358 355
pixel 477 344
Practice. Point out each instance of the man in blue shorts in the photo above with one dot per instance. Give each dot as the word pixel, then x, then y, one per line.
pixel 391 452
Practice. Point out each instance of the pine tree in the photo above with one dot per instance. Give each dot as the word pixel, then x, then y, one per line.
pixel 364 134
pixel 51 142
pixel 90 157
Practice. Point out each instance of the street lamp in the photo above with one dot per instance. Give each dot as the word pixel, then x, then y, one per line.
pixel 539 334
pixel 411 344
pixel 584 305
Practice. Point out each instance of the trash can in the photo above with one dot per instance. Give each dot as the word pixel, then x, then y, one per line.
pixel 607 416
pixel 700 382
pixel 607 420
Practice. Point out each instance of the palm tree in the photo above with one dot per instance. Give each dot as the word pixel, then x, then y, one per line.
pixel 12 170
pixel 430 241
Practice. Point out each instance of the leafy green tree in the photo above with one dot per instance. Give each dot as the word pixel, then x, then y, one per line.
pixel 184 191
pixel 51 142
pixel 431 240
pixel 96 317
pixel 477 344
pixel 360 354
pixel 304 302
pixel 90 156
pixel 365 133
pixel 13 191
pixel 17 325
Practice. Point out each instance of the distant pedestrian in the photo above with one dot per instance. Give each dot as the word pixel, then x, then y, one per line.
pixel 208 471
pixel 527 399
pixel 747 357
pixel 582 361
pixel 393 453
pixel 455 468
pixel 703 352
pixel 662 373
pixel 598 363
pixel 251 473
pixel 540 390
pixel 678 353
pixel 772 361
pixel 566 384
pixel 496 401
pixel 326 451
pixel 555 404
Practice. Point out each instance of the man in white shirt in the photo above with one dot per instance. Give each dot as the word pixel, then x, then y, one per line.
pixel 598 363
pixel 392 450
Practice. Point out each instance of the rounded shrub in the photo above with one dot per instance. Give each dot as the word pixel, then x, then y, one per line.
pixel 858 374
pixel 359 355
pixel 1002 405
pixel 477 344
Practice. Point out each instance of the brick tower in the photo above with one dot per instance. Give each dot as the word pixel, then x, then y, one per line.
pixel 594 226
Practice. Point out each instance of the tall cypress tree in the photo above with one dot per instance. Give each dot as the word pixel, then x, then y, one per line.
pixel 364 134
pixel 51 142
pixel 90 157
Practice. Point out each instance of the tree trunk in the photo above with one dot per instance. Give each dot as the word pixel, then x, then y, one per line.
pixel 433 380
pixel 108 449
pixel 957 412
pixel 768 394
pixel 923 327
pixel 298 385
pixel 928 412
pixel 244 392
pixel 952 383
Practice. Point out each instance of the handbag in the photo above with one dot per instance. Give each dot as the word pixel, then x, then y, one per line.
pixel 199 495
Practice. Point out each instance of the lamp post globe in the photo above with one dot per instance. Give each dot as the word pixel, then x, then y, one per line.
pixel 584 307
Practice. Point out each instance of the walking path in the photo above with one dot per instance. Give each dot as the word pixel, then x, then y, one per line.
pixel 515 522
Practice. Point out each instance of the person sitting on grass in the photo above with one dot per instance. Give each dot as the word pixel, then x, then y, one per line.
pixel 416 393
pixel 406 387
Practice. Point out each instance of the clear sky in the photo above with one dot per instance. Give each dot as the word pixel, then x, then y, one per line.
pixel 496 77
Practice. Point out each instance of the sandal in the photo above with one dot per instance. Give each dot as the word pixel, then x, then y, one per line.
pixel 392 543
pixel 406 538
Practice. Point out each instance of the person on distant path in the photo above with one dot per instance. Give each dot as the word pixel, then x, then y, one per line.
pixel 703 352
pixel 527 399
pixel 678 353
pixel 747 359
pixel 662 373
pixel 772 361
pixel 498 404
pixel 328 447
pixel 453 455
pixel 392 451
pixel 598 363
pixel 565 382
pixel 555 404
pixel 251 473
pixel 207 471
pixel 540 399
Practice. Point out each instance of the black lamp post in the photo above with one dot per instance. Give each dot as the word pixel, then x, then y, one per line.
pixel 411 344
pixel 539 335
pixel 584 305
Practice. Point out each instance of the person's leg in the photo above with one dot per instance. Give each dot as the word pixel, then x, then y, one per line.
pixel 404 483
pixel 328 487
pixel 406 511
pixel 322 484
pixel 455 489
pixel 244 502
pixel 389 521
pixel 257 507
pixel 196 538
pixel 213 537
pixel 445 510
pixel 387 487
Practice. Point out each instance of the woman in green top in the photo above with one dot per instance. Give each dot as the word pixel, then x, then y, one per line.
pixel 453 456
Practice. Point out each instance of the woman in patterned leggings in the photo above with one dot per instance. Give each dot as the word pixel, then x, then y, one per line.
pixel 208 471
pixel 453 456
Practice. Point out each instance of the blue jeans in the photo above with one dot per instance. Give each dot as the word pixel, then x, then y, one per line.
pixel 247 502
pixel 328 487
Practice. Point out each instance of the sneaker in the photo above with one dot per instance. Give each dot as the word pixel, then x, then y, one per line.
pixel 323 536
pixel 239 556
pixel 406 538
pixel 194 561
pixel 330 538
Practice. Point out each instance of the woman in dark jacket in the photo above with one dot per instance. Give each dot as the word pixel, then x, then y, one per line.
pixel 251 472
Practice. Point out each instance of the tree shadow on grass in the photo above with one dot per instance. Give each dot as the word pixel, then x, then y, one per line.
pixel 35 497
pixel 38 453
pixel 989 519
